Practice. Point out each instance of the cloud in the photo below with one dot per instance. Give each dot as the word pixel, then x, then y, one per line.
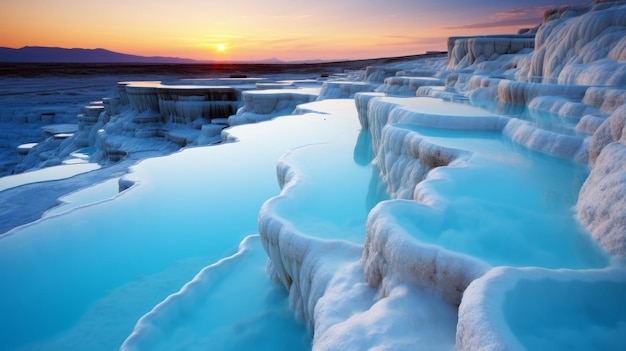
pixel 515 17
pixel 403 40
pixel 512 13
pixel 529 21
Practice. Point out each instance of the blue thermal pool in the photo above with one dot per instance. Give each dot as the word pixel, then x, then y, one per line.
pixel 82 279
pixel 103 266
pixel 506 205
pixel 573 310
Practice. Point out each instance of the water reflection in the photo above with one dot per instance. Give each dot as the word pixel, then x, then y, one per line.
pixel 507 205
pixel 128 254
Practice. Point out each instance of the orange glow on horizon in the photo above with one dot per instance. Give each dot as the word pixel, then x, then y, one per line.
pixel 252 30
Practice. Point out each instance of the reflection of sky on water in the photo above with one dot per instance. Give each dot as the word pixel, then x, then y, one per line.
pixel 102 267
pixel 190 209
pixel 46 174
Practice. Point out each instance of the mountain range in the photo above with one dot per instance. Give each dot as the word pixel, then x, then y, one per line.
pixel 41 54
pixel 44 54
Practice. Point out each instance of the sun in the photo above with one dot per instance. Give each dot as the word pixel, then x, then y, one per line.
pixel 221 47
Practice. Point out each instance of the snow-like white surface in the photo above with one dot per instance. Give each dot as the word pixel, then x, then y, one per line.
pixel 262 105
pixel 397 222
pixel 583 50
pixel 343 89
pixel 465 51
pixel 60 129
pixel 603 197
pixel 407 86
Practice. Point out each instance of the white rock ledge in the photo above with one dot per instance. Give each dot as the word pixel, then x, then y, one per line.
pixel 534 308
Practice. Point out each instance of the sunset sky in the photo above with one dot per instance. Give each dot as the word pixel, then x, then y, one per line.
pixel 257 30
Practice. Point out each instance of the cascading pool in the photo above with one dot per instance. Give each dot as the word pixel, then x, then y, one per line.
pixel 507 205
pixel 81 279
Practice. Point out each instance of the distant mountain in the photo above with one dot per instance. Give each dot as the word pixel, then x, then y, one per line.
pixel 270 61
pixel 40 54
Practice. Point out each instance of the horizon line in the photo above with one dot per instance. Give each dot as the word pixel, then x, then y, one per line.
pixel 267 61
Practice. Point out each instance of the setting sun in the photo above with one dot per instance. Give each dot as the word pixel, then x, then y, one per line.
pixel 260 30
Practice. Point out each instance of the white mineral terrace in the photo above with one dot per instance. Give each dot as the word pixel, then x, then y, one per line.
pixel 470 202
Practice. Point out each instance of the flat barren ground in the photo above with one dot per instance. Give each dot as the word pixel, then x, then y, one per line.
pixel 190 70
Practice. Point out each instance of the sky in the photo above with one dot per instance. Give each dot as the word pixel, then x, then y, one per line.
pixel 246 30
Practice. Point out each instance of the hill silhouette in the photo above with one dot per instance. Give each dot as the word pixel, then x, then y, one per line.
pixel 41 54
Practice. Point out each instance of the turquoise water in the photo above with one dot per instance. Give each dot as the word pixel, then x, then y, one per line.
pixel 567 313
pixel 96 193
pixel 85 277
pixel 82 279
pixel 230 305
pixel 507 205
pixel 45 174
pixel 333 193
